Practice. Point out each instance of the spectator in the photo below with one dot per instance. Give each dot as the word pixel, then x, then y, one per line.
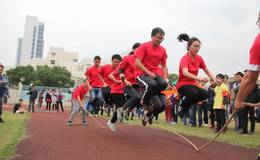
pixel 211 103
pixel 48 99
pixel 221 94
pixel 253 97
pixel 3 83
pixel 18 107
pixel 33 96
pixel 40 100
pixel 60 98
pixel 203 107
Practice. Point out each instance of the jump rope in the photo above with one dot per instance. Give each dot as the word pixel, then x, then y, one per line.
pixel 181 136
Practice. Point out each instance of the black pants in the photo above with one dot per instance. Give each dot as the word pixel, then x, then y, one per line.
pixel 54 106
pixel 203 108
pixel 151 87
pixel 220 118
pixel 240 115
pixel 192 94
pixel 212 115
pixel 31 105
pixel 48 106
pixel 106 95
pixel 119 101
pixel 159 107
pixel 134 97
pixel 251 112
pixel 59 103
pixel 1 105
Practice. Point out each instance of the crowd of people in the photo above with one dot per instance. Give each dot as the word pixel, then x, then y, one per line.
pixel 138 84
pixel 53 101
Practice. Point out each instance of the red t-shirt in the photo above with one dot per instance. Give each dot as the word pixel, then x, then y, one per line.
pixel 193 67
pixel 128 67
pixel 105 71
pixel 159 72
pixel 117 87
pixel 79 91
pixel 151 57
pixel 92 73
pixel 254 59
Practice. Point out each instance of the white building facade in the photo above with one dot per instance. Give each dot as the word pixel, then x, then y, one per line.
pixel 32 44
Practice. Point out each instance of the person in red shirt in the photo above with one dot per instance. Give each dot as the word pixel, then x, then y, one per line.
pixel 127 74
pixel 117 95
pixel 104 72
pixel 148 58
pixel 251 76
pixel 77 103
pixel 96 84
pixel 188 75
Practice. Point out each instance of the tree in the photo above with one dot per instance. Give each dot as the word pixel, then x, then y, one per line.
pixel 172 77
pixel 24 74
pixel 42 76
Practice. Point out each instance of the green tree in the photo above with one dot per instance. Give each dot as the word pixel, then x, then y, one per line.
pixel 24 74
pixel 172 77
pixel 43 76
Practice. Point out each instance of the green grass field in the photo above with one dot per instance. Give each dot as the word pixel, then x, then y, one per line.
pixel 11 133
pixel 230 136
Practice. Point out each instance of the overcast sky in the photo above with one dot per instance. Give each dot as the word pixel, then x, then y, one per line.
pixel 226 27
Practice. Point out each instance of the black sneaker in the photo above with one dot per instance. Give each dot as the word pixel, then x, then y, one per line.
pixel 84 123
pixel 144 120
pixel 150 120
pixel 1 120
pixel 69 123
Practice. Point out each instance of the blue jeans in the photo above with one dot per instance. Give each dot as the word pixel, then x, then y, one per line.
pixel 96 98
pixel 186 115
pixel 203 108
pixel 193 116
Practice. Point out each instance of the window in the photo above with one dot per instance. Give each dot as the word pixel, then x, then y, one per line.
pixel 75 60
pixel 53 53
pixel 52 62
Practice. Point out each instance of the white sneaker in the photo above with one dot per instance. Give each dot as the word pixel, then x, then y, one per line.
pixel 205 125
pixel 112 126
pixel 173 123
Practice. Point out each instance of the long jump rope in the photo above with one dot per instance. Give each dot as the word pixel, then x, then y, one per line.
pixel 183 137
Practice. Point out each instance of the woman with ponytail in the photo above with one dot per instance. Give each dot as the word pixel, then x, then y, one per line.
pixel 188 74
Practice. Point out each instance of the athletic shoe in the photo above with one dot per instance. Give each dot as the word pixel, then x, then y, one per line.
pixel 96 115
pixel 193 125
pixel 205 125
pixel 150 119
pixel 144 120
pixel 84 123
pixel 69 123
pixel 251 133
pixel 112 126
pixel 1 120
pixel 173 123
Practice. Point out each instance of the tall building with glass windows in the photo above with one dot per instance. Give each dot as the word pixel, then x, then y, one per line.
pixel 32 44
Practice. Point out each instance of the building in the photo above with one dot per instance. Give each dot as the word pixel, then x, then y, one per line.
pixel 56 56
pixel 32 44
pixel 19 51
